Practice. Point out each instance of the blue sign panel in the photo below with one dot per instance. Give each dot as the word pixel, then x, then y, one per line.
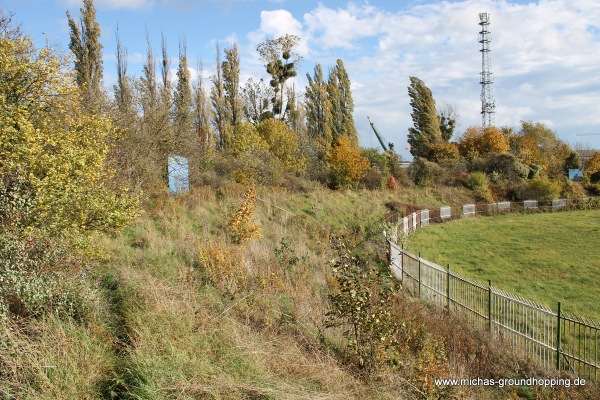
pixel 576 175
pixel 179 177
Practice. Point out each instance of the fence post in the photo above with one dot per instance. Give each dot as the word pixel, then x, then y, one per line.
pixel 558 338
pixel 419 274
pixel 448 288
pixel 402 262
pixel 490 305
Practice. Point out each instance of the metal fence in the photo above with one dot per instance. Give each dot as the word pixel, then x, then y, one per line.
pixel 421 218
pixel 558 339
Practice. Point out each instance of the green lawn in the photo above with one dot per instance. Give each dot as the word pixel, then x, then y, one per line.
pixel 543 257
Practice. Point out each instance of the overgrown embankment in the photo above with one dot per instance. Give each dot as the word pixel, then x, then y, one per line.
pixel 178 310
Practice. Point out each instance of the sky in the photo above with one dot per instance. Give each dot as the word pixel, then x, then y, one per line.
pixel 545 54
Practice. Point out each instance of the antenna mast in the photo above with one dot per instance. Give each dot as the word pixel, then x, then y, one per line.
pixel 488 104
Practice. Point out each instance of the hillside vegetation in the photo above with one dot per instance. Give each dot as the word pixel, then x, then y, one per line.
pixel 266 277
pixel 175 309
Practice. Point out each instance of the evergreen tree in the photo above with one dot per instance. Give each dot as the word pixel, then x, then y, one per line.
pixel 85 45
pixel 342 105
pixel 426 130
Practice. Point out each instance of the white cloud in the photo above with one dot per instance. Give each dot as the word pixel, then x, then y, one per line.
pixel 278 23
pixel 544 54
pixel 341 27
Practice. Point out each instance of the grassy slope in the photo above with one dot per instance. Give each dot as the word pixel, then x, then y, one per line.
pixel 182 313
pixel 543 257
pixel 250 329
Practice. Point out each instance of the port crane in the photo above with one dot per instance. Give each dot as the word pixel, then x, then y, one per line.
pixel 389 145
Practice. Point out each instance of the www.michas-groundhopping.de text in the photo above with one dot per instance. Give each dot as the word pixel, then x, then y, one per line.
pixel 545 382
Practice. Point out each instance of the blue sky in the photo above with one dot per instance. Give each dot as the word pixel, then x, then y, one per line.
pixel 545 54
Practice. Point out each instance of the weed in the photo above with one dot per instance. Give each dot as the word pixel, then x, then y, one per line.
pixel 240 225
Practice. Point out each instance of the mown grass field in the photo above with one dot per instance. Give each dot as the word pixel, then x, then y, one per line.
pixel 543 257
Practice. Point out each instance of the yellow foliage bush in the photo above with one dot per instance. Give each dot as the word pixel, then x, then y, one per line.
pixel 592 165
pixel 283 143
pixel 478 142
pixel 245 138
pixel 347 164
pixel 444 151
pixel 58 146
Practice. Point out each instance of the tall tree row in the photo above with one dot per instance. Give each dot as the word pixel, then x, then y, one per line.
pixel 162 113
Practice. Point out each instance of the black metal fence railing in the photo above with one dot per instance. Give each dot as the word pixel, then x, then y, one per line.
pixel 565 341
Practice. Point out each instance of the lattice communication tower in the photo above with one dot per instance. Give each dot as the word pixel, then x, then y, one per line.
pixel 488 104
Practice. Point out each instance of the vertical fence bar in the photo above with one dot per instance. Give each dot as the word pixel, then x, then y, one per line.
pixel 558 338
pixel 448 287
pixel 490 305
pixel 419 274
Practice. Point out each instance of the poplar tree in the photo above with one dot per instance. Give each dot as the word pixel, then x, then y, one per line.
pixel 318 109
pixel 162 128
pixel 85 45
pixel 342 105
pixel 448 116
pixel 220 109
pixel 123 90
pixel 426 129
pixel 149 144
pixel 182 98
pixel 201 111
pixel 231 84
pixel 148 84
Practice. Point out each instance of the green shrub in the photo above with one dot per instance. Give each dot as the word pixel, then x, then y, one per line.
pixel 534 171
pixel 541 189
pixel 593 189
pixel 373 179
pixel 444 173
pixel 506 165
pixel 572 190
pixel 424 173
pixel 477 180
pixel 361 306
pixel 38 276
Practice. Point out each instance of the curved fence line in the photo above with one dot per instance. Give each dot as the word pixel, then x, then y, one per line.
pixel 426 217
pixel 563 340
